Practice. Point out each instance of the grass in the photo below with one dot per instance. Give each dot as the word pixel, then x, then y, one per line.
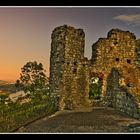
pixel 16 115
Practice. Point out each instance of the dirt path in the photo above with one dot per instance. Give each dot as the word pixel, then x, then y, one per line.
pixel 91 120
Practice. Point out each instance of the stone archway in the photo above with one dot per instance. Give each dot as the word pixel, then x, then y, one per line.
pixel 95 86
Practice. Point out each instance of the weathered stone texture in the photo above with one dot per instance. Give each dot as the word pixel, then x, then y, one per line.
pixel 138 52
pixel 117 50
pixel 70 71
pixel 69 67
pixel 119 97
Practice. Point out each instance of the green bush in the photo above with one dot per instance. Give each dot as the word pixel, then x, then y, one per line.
pixel 94 92
pixel 14 115
pixel 34 82
pixel 2 98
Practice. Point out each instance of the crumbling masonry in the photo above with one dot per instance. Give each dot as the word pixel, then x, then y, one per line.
pixel 113 61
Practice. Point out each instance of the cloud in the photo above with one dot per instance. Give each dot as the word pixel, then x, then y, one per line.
pixel 133 20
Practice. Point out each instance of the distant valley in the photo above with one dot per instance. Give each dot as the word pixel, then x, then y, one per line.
pixel 7 87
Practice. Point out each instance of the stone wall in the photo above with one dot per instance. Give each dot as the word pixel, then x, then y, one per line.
pixel 117 50
pixel 138 53
pixel 70 71
pixel 68 67
pixel 119 97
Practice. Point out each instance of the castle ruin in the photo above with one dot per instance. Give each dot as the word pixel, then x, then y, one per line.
pixel 113 62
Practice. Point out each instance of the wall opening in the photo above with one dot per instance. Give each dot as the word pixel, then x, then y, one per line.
pixel 117 59
pixel 128 61
pixel 115 43
pixel 95 88
pixel 75 68
pixel 74 71
pixel 75 63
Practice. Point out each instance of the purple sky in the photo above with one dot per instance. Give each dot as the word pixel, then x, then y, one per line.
pixel 25 33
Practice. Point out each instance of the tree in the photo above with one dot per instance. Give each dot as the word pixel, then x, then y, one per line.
pixel 33 79
pixel 94 88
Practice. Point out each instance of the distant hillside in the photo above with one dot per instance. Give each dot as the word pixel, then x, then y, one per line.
pixel 2 82
pixel 7 87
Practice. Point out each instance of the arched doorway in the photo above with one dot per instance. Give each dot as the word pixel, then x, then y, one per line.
pixel 95 86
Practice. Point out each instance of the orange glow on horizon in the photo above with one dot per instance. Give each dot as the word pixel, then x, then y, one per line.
pixel 14 74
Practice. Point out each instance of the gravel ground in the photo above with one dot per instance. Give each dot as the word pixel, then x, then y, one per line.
pixel 89 120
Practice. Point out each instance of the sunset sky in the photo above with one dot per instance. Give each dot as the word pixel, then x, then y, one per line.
pixel 25 32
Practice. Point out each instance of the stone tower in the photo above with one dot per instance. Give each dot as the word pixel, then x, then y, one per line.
pixel 69 68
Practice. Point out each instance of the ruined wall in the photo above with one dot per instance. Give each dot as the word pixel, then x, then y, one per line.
pixel 117 50
pixel 138 53
pixel 71 72
pixel 57 59
pixel 69 68
pixel 119 97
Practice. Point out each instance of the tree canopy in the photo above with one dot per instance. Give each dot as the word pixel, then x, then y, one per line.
pixel 32 79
